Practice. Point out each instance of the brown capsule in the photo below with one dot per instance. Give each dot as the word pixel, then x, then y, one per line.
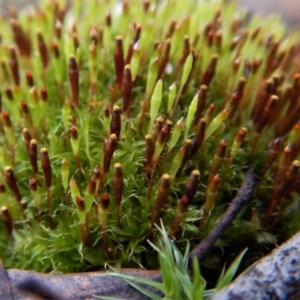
pixel 74 80
pixel 164 58
pixel 192 186
pixel 118 183
pixel 108 19
pixel 217 17
pixel 218 39
pixel 14 65
pixel 181 209
pixel 163 192
pixel 7 220
pixel 236 64
pixel 183 205
pixel 271 59
pixel 55 50
pixel 239 138
pixel 46 166
pixel 272 154
pixel 236 40
pixel 115 123
pixel 26 113
pixel 33 185
pixel 261 100
pixel 33 156
pixel 171 29
pixel 137 32
pixel 75 41
pixel 149 150
pixel 110 145
pixel 276 84
pixel 119 60
pixel 208 27
pixel 291 54
pixel 29 79
pixel 80 203
pixel 238 95
pixel 288 122
pixel 156 46
pixel 74 133
pixel 169 125
pixel 255 33
pixel 2 188
pixel 186 150
pixel 93 51
pixel 73 118
pixel 12 183
pixel 127 88
pixel 94 36
pixel 8 92
pixel 42 49
pixel 209 112
pixel 44 94
pixel 294 95
pixel 74 27
pixel 212 192
pixel 163 135
pixel 60 13
pixel 210 39
pixel 26 137
pixel 57 29
pixel 199 138
pixel 146 5
pixel 186 49
pixel 97 173
pixel 266 113
pixel 22 41
pixel 256 63
pixel 288 183
pixel 296 143
pixel 106 111
pixel 104 202
pixel 283 165
pixel 34 96
pixel 4 69
pixel 209 74
pixel 91 187
pixel 159 122
pixel 218 160
pixel 6 119
pixel 125 7
pixel 202 94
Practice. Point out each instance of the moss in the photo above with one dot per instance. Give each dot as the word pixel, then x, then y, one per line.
pixel 66 71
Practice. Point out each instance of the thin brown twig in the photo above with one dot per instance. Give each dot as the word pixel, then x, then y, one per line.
pixel 242 198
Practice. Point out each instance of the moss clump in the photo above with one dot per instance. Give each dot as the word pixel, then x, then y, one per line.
pixel 114 115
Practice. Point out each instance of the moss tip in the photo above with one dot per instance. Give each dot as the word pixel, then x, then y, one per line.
pixel 44 151
pixel 196 172
pixel 117 166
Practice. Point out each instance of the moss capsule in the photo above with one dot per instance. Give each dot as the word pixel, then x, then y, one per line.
pixel 73 72
pixel 115 123
pixel 46 167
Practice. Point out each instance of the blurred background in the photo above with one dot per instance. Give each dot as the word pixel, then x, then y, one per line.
pixel 288 9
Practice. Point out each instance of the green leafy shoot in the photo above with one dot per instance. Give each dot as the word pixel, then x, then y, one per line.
pixel 226 278
pixel 176 280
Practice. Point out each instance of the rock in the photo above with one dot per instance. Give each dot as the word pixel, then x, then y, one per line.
pixel 27 285
pixel 276 276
